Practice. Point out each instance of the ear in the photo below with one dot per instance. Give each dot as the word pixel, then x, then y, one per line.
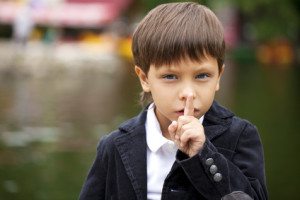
pixel 143 79
pixel 219 78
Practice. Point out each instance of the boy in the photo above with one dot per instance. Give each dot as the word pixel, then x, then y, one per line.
pixel 184 145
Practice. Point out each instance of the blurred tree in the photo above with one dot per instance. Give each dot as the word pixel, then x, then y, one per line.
pixel 261 19
pixel 270 18
pixel 148 5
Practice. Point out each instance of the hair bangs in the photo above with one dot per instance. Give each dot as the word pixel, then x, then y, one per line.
pixel 173 50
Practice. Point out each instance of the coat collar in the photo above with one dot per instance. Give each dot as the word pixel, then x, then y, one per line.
pixel 132 144
pixel 216 121
pixel 132 148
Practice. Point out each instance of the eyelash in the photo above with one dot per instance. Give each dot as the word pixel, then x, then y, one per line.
pixel 172 76
pixel 169 76
pixel 203 74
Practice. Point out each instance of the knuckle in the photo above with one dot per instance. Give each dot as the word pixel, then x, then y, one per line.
pixel 184 128
pixel 183 138
pixel 181 118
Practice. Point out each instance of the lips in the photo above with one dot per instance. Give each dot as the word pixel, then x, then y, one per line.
pixel 181 112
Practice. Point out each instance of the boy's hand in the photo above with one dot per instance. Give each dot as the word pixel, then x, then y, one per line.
pixel 188 132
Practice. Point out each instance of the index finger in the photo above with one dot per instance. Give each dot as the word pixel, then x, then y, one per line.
pixel 189 106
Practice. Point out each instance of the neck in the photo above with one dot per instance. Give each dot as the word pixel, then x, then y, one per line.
pixel 164 124
pixel 166 133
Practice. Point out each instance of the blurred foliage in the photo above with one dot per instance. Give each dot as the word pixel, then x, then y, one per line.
pixel 148 5
pixel 271 18
pixel 265 19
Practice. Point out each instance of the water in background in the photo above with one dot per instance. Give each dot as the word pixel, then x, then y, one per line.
pixel 57 101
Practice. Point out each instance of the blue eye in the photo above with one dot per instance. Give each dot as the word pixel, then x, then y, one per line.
pixel 169 76
pixel 202 76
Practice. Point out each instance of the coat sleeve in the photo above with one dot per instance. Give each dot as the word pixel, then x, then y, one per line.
pixel 95 183
pixel 215 175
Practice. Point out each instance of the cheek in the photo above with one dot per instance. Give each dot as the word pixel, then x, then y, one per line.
pixel 160 92
pixel 206 95
pixel 160 95
pixel 205 91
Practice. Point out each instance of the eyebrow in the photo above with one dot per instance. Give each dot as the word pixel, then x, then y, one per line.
pixel 196 68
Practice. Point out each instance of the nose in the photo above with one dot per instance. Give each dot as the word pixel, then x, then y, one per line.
pixel 186 91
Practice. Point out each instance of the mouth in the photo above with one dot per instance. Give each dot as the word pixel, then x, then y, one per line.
pixel 181 112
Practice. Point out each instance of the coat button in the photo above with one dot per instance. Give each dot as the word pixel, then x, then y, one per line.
pixel 217 177
pixel 213 169
pixel 209 161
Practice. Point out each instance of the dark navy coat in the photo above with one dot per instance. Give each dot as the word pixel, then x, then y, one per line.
pixel 231 160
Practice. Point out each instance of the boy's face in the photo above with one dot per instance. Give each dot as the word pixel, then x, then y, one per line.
pixel 170 86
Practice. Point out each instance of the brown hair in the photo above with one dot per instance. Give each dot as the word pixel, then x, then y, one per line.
pixel 173 32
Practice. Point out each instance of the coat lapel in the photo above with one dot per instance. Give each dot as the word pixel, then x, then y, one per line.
pixel 132 149
pixel 214 130
pixel 216 121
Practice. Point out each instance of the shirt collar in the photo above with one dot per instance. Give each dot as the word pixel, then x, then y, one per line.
pixel 154 137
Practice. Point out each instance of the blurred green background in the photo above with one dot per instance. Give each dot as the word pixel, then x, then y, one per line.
pixel 69 80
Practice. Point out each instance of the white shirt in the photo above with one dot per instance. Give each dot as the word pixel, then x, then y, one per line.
pixel 160 155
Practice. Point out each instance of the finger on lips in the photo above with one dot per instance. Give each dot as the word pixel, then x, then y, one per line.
pixel 189 106
pixel 176 127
